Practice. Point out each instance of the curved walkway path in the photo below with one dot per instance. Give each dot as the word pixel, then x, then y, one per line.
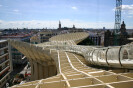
pixel 63 57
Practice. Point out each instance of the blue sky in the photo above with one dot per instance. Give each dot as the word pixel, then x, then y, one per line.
pixel 47 13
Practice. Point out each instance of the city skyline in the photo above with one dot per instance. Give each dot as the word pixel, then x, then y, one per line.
pixel 43 13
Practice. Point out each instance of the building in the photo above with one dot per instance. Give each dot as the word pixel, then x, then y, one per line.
pixel 5 63
pixel 59 25
pixel 91 40
pixel 108 38
pixel 111 39
pixel 70 30
pixel 95 39
pixel 34 39
pixel 16 55
pixel 45 35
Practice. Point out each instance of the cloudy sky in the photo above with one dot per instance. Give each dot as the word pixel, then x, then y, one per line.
pixel 47 13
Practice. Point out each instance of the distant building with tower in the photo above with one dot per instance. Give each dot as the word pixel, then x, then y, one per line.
pixel 104 28
pixel 59 25
pixel 72 29
pixel 73 26
pixel 122 37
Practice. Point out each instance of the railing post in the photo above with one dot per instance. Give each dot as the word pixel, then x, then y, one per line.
pixel 106 56
pixel 119 56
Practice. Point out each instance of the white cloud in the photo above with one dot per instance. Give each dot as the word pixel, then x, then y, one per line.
pixel 130 12
pixel 15 10
pixel 54 24
pixel 1 21
pixel 127 9
pixel 75 8
pixel 1 5
pixel 129 16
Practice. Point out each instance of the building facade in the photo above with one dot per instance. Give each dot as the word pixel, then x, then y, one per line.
pixel 45 35
pixel 16 55
pixel 96 39
pixel 34 39
pixel 5 63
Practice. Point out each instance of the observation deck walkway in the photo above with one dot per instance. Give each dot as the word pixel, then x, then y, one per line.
pixel 69 61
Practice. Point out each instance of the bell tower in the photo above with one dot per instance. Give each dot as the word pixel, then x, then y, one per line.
pixel 123 27
pixel 59 25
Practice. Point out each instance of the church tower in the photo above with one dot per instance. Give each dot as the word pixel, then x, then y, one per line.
pixel 123 27
pixel 59 25
pixel 73 26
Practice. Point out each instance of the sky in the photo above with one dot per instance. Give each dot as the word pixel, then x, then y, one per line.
pixel 47 13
